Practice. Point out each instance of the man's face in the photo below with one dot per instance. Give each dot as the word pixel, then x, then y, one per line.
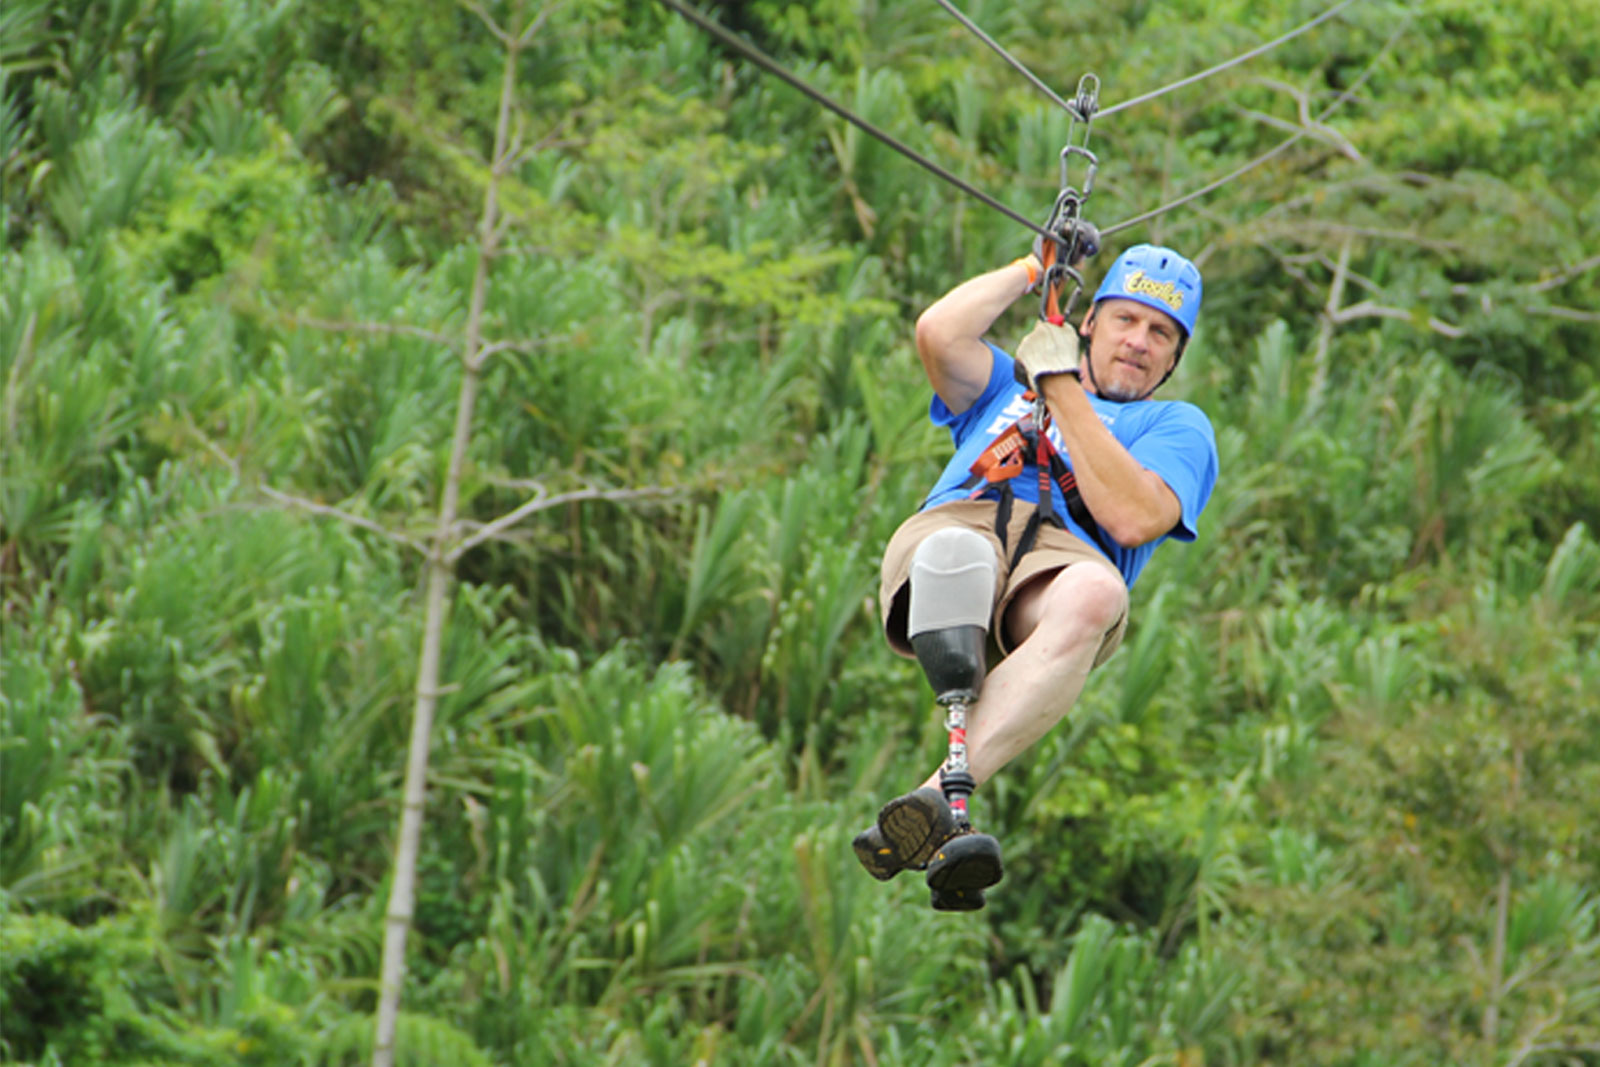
pixel 1132 346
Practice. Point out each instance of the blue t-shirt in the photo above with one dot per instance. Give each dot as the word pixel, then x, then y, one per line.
pixel 1170 437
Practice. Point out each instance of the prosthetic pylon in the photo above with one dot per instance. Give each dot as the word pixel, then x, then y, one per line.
pixel 967 863
pixel 952 660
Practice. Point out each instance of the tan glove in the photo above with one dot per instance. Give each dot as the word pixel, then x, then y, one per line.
pixel 1047 350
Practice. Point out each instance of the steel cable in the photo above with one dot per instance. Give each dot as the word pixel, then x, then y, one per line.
pixel 769 65
pixel 1234 62
pixel 1338 102
pixel 1179 84
pixel 766 63
pixel 1013 60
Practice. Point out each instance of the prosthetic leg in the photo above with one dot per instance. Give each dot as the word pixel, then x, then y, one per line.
pixel 952 593
pixel 953 576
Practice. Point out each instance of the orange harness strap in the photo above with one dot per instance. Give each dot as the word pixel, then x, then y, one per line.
pixel 1006 458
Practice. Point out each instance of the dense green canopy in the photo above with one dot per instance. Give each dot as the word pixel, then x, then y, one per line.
pixel 1336 801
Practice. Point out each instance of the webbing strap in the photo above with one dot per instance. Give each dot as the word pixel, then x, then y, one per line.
pixel 1075 505
pixel 1004 459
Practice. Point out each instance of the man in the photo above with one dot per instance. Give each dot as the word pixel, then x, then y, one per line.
pixel 981 563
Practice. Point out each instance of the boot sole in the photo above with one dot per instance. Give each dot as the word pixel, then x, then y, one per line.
pixel 968 865
pixel 957 900
pixel 875 855
pixel 912 828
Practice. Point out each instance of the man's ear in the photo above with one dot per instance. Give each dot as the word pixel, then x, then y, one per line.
pixel 1088 321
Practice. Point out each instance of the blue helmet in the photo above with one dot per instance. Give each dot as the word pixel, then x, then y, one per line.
pixel 1157 277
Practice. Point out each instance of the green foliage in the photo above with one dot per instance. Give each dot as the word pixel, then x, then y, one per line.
pixel 1330 803
pixel 241 218
pixel 52 772
pixel 57 979
pixel 95 996
pixel 103 995
pixel 421 1042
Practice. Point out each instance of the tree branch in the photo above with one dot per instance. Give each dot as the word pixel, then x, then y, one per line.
pixel 299 503
pixel 1323 132
pixel 1570 314
pixel 1568 274
pixel 488 20
pixel 1299 226
pixel 1330 311
pixel 521 344
pixel 1528 1050
pixel 1379 182
pixel 536 24
pixel 401 329
pixel 14 379
pixel 400 911
pixel 1319 133
pixel 1367 309
pixel 540 501
pixel 513 151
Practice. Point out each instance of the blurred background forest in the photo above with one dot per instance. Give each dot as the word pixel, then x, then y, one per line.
pixel 1336 800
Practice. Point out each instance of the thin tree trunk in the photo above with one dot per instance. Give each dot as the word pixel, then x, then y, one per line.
pixel 1502 916
pixel 1497 960
pixel 1319 362
pixel 402 892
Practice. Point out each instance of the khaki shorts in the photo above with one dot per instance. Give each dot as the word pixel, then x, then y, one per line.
pixel 1053 548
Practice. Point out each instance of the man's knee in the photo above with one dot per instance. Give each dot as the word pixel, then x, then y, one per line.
pixel 1091 594
pixel 1080 603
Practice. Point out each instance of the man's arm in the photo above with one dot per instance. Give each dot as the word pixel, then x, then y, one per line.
pixel 950 332
pixel 1129 501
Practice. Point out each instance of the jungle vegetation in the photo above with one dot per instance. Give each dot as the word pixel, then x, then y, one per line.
pixel 298 300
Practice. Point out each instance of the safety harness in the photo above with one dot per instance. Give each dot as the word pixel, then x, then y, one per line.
pixel 1006 458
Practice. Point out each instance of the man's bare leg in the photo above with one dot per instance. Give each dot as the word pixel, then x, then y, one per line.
pixel 1061 619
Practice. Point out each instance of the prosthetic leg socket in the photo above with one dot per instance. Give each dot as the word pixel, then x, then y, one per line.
pixel 953 577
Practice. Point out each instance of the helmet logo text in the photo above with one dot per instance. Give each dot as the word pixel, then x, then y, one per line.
pixel 1138 281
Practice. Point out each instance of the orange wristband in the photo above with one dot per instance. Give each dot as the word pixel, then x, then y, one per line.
pixel 1034 267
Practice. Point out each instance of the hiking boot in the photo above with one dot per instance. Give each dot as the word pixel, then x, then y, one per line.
pixel 877 855
pixel 916 824
pixel 957 900
pixel 961 869
pixel 908 830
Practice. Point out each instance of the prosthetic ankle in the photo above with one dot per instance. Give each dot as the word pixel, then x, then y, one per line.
pixel 953 577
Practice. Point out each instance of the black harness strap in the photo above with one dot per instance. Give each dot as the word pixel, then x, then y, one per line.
pixel 1004 460
pixel 1074 500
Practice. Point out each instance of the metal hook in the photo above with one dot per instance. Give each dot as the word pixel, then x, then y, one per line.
pixel 1065 214
pixel 1052 279
pixel 1094 166
pixel 1068 204
pixel 1088 99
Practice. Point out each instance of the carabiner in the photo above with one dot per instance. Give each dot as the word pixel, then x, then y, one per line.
pixel 1066 214
pixel 1088 178
pixel 1049 293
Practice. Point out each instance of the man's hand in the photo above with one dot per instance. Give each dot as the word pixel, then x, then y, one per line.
pixel 1048 349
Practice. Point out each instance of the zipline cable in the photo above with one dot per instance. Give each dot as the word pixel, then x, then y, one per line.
pixel 766 63
pixel 769 65
pixel 1013 60
pixel 1181 83
pixel 1273 153
pixel 1235 61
